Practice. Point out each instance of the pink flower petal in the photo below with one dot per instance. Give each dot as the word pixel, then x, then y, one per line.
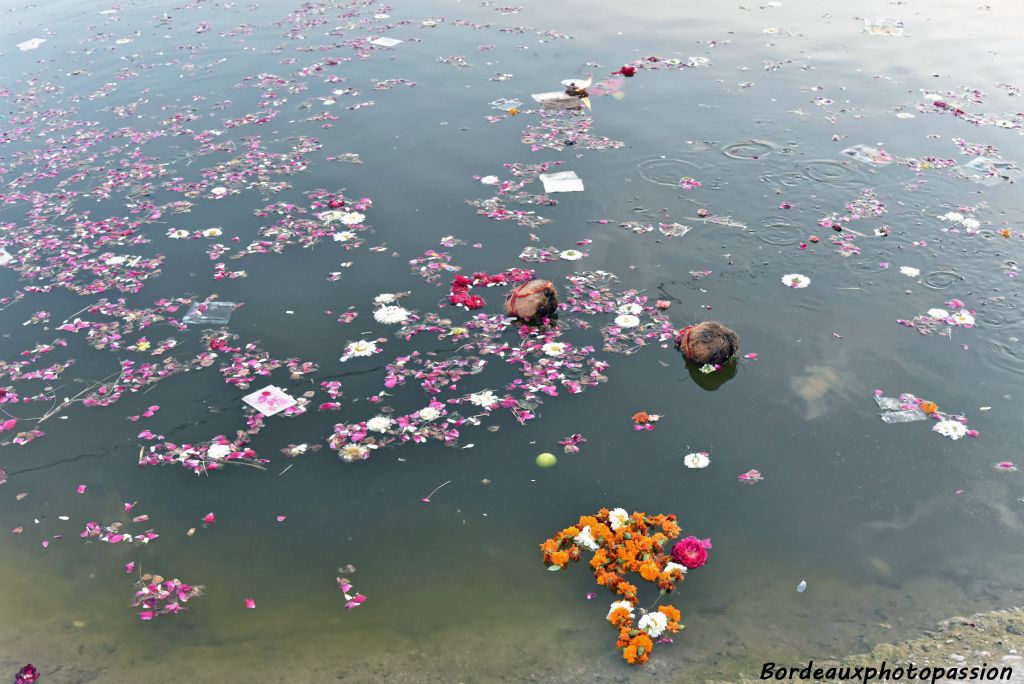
pixel 250 603
pixel 209 518
pixel 129 568
pixel 81 489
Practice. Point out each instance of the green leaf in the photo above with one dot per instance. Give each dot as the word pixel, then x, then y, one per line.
pixel 554 568
pixel 640 650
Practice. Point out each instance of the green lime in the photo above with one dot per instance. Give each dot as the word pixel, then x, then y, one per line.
pixel 546 460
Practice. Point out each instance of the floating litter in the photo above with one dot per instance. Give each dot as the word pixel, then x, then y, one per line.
pixel 209 313
pixel 563 181
pixel 270 400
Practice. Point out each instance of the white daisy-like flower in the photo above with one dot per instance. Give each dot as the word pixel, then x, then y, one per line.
pixel 344 236
pixel 954 216
pixel 218 452
pixel 963 318
pixel 484 399
pixel 554 348
pixel 352 218
pixel 429 413
pixel 910 271
pixel 213 232
pixel 950 428
pixel 354 452
pixel 938 313
pixel 971 223
pixel 298 449
pixel 708 368
pixel 379 424
pixel 617 517
pixel 586 539
pixel 631 308
pixel 359 348
pixel 178 234
pixel 796 281
pixel 391 315
pixel 572 255
pixel 627 321
pixel 620 604
pixel 385 298
pixel 653 623
pixel 489 180
pixel 698 459
pixel 671 565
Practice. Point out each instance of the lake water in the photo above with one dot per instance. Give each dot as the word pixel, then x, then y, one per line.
pixel 234 107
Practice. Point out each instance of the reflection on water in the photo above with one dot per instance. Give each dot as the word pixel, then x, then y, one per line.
pixel 892 526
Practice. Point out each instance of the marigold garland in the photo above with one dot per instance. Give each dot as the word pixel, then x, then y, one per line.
pixel 623 543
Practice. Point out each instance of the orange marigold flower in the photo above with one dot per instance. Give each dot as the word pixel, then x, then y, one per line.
pixel 618 615
pixel 1005 232
pixel 929 407
pixel 560 558
pixel 570 531
pixel 627 590
pixel 641 417
pixel 550 546
pixel 671 612
pixel 672 529
pixel 513 111
pixel 649 571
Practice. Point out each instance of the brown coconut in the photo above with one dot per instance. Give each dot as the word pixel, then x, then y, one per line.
pixel 708 342
pixel 532 302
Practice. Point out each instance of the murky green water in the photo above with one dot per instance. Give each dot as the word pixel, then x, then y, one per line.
pixel 892 526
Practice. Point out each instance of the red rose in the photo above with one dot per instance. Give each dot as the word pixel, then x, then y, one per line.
pixel 627 71
pixel 690 552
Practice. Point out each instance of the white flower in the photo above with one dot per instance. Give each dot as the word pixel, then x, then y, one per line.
pixel 116 260
pixel 351 218
pixel 796 281
pixel 953 216
pixel 938 313
pixel 390 315
pixel 484 399
pixel 617 517
pixel 632 308
pixel 385 298
pixel 698 459
pixel 359 348
pixel 429 413
pixel 620 604
pixel 572 255
pixel 344 236
pixel 671 565
pixel 653 623
pixel 708 368
pixel 218 451
pixel 950 428
pixel 489 180
pixel 910 271
pixel 219 191
pixel 971 223
pixel 963 318
pixel 354 452
pixel 379 424
pixel 178 234
pixel 554 348
pixel 586 539
pixel 213 232
pixel 627 321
